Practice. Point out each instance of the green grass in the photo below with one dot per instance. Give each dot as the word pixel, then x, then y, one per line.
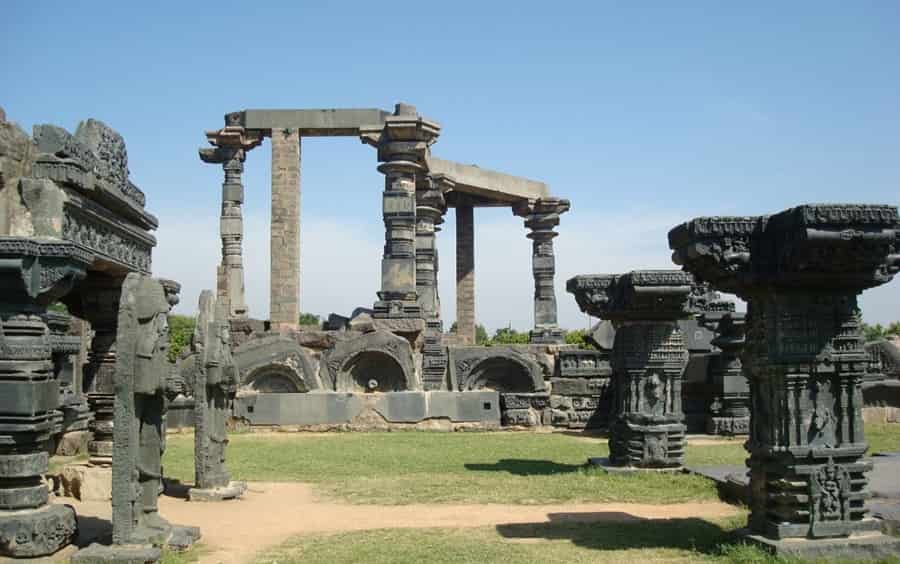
pixel 184 557
pixel 669 540
pixel 422 467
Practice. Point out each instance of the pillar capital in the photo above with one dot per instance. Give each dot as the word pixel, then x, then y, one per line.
pixel 228 143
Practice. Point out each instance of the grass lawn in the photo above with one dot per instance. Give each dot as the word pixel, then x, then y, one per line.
pixel 422 467
pixel 675 540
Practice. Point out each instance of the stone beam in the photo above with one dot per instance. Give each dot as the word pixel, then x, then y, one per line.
pixel 311 123
pixel 497 186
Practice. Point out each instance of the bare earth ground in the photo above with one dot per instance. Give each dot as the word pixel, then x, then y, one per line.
pixel 271 513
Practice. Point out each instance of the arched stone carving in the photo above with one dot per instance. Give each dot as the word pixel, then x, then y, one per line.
pixel 377 361
pixel 500 369
pixel 275 364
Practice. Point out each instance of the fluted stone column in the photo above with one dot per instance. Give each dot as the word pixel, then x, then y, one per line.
pixel 541 217
pixel 33 274
pixel 465 271
pixel 284 292
pixel 230 150
pixel 430 209
pixel 649 355
pixel 402 148
pixel 800 271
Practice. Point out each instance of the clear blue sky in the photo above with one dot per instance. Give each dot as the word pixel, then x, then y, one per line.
pixel 643 114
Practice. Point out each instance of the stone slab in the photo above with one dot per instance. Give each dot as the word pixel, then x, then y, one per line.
pixel 117 554
pixel 884 479
pixel 325 408
pixel 315 122
pixel 85 482
pixel 888 511
pixel 472 179
pixel 233 490
pixel 604 464
pixel 856 547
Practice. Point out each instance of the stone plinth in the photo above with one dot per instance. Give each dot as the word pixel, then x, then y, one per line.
pixel 801 271
pixel 87 482
pixel 649 355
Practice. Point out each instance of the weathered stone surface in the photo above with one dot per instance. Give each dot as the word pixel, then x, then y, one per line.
pixel 275 363
pixel 800 271
pixel 504 369
pixel 37 532
pixel 465 272
pixel 117 554
pixel 86 482
pixel 284 293
pixel 231 490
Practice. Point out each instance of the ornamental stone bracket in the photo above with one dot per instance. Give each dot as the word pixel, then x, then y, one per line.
pixel 649 355
pixel 33 273
pixel 504 369
pixel 800 271
pixel 275 363
pixel 541 218
pixel 374 362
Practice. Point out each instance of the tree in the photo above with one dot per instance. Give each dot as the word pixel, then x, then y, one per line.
pixel 878 331
pixel 578 337
pixel 309 319
pixel 181 329
pixel 509 336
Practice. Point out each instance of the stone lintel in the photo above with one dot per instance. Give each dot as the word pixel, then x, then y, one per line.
pixel 493 185
pixel 314 123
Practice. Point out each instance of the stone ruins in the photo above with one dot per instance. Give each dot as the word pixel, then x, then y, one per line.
pixel 669 356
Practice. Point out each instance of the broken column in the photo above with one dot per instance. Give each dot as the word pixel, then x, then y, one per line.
pixel 33 274
pixel 801 271
pixel 541 217
pixel 430 209
pixel 284 294
pixel 649 355
pixel 215 379
pixel 465 270
pixel 230 150
pixel 402 148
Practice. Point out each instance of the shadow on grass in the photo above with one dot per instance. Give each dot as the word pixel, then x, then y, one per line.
pixel 521 467
pixel 612 530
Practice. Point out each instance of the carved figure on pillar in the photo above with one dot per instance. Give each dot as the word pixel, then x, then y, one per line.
pixel 33 274
pixel 649 355
pixel 141 373
pixel 214 379
pixel 403 144
pixel 541 217
pixel 231 144
pixel 800 271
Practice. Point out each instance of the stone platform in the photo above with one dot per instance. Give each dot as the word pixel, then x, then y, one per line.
pixel 866 546
pixel 315 409
pixel 120 554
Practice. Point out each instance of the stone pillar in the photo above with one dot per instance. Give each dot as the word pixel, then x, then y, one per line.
pixel 465 271
pixel 801 271
pixel 430 210
pixel 649 356
pixel 99 305
pixel 72 402
pixel 541 217
pixel 284 289
pixel 729 413
pixel 230 149
pixel 402 145
pixel 32 275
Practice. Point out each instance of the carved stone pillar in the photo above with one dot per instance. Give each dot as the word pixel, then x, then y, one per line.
pixel 649 355
pixel 729 413
pixel 430 210
pixel 32 275
pixel 541 217
pixel 800 271
pixel 230 149
pixel 66 348
pixel 465 271
pixel 402 148
pixel 284 283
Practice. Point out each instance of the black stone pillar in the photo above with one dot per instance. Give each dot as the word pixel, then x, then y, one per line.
pixel 649 355
pixel 801 271
pixel 430 210
pixel 541 217
pixel 33 273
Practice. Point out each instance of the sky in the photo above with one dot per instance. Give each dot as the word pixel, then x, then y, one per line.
pixel 643 114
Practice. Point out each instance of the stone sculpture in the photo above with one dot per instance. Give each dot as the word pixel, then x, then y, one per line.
pixel 800 271
pixel 214 381
pixel 649 355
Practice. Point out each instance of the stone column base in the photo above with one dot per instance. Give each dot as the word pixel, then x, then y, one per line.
pixel 233 490
pixel 117 554
pixel 607 466
pixel 659 445
pixel 30 533
pixel 863 546
pixel 86 482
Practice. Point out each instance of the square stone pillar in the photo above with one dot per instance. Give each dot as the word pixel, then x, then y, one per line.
pixel 284 293
pixel 465 271
pixel 800 271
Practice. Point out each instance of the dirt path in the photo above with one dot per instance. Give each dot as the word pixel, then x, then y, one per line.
pixel 270 513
